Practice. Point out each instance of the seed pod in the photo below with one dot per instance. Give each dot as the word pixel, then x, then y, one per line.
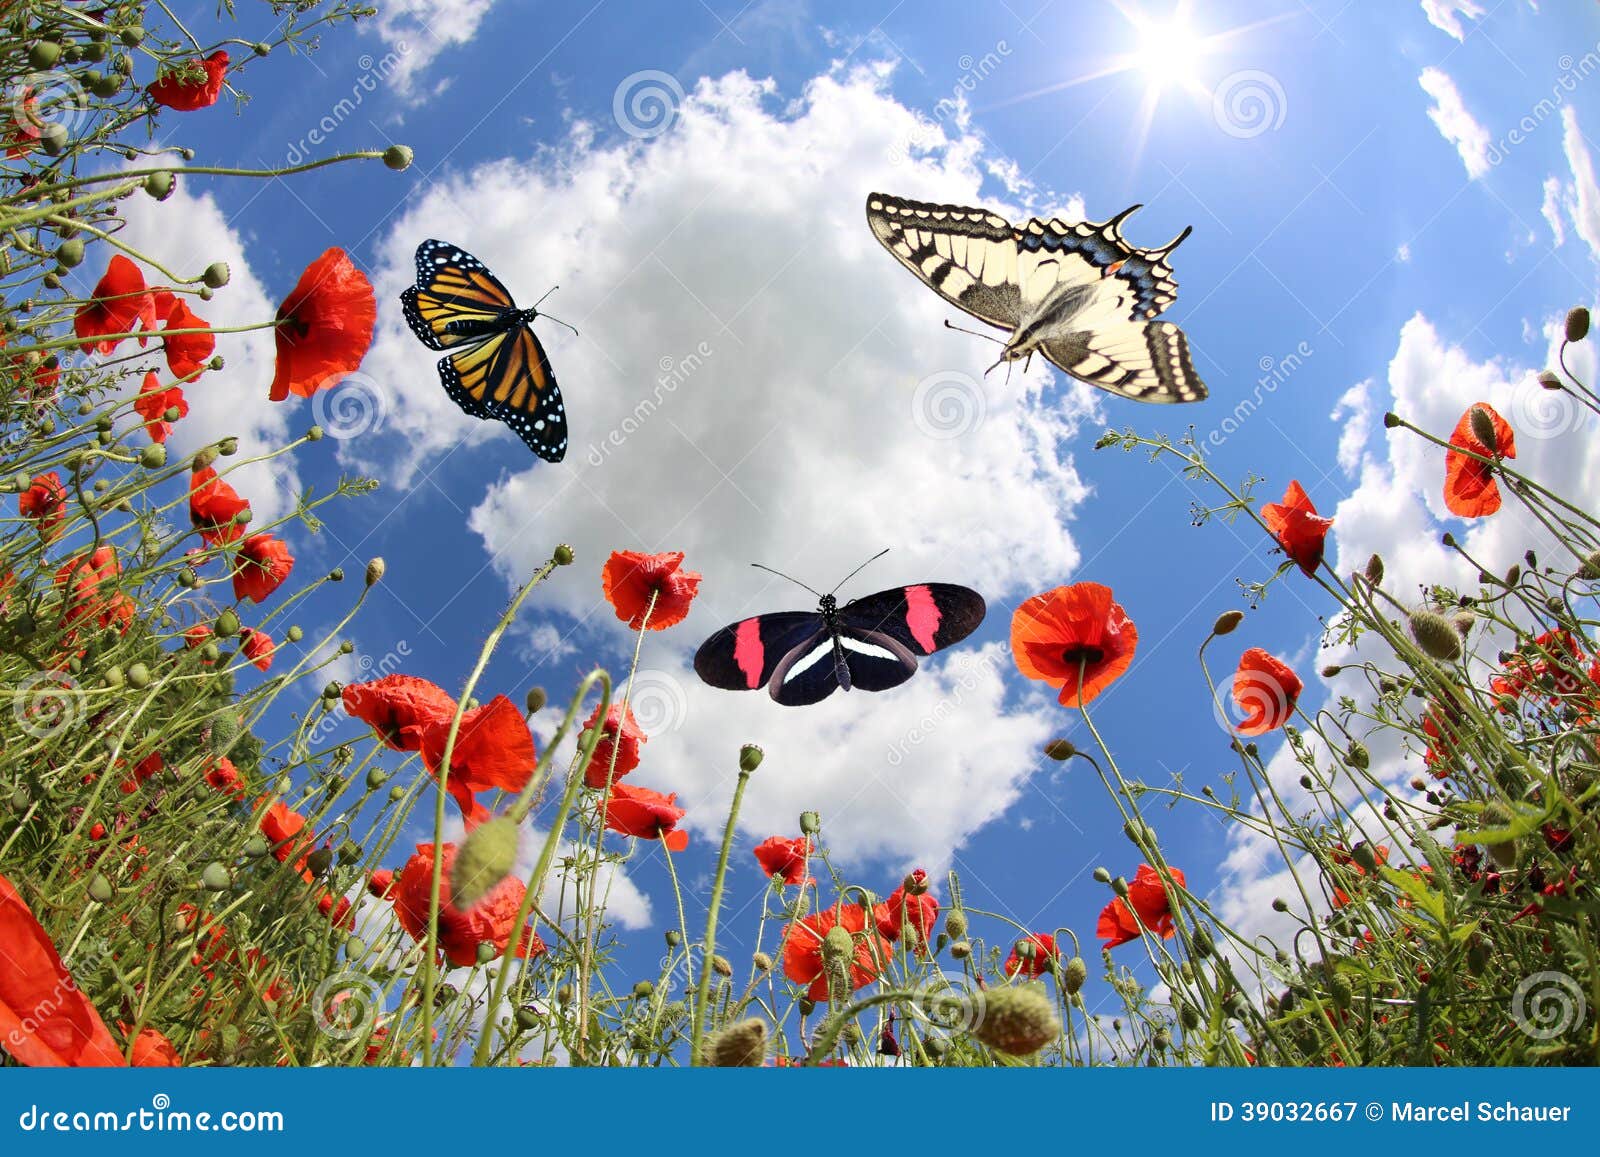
pixel 750 757
pixel 563 555
pixel 644 990
pixel 810 823
pixel 397 157
pixel 138 676
pixel 216 877
pixel 100 890
pixel 160 185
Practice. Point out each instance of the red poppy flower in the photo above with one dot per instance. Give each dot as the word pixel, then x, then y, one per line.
pixel 186 89
pixel 282 826
pixel 1075 638
pixel 83 581
pixel 1340 856
pixel 339 912
pixel 1442 727
pixel 23 133
pixel 1470 489
pixel 45 1021
pixel 490 921
pixel 381 883
pixel 780 857
pixel 187 353
pixel 619 740
pixel 493 749
pixel 1147 898
pixel 1039 961
pixel 909 906
pixel 225 778
pixel 630 580
pixel 1265 691
pixel 153 403
pixel 44 504
pixel 263 562
pixel 1297 526
pixel 400 708
pixel 119 300
pixel 258 647
pixel 145 770
pixel 152 1050
pixel 213 505
pixel 324 327
pixel 802 948
pixel 646 814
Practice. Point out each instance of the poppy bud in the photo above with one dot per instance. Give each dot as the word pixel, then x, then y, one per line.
pixel 43 54
pixel 1391 420
pixel 1201 941
pixel 204 457
pixel 375 570
pixel 1306 782
pixel 536 700
pixel 1483 427
pixel 810 823
pixel 1189 1017
pixel 960 950
pixel 1018 1021
pixel 319 862
pixel 749 758
pixel 227 625
pixel 915 884
pixel 1139 833
pixel 1331 670
pixel 1340 991
pixel 1358 755
pixel 70 253
pixel 1436 636
pixel 644 990
pixel 314 434
pixel 216 877
pixel 1577 323
pixel 487 856
pixel 1548 380
pixel 336 575
pixel 956 923
pixel 1374 571
pixel 1060 750
pixel 159 185
pixel 739 1046
pixel 53 138
pixel 762 961
pixel 1279 904
pixel 1101 876
pixel 1227 622
pixel 397 157
pixel 1119 885
pixel 153 456
pixel 563 555
pixel 138 676
pixel 806 1005
pixel 1073 975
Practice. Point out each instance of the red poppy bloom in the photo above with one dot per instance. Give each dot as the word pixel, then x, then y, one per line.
pixel 23 133
pixel 44 504
pixel 45 1021
pixel 1340 856
pixel 83 581
pixel 225 778
pixel 1075 638
pixel 490 921
pixel 1442 727
pixel 119 300
pixel 187 89
pixel 780 857
pixel 381 883
pixel 802 950
pixel 152 1050
pixel 282 826
pixel 619 741
pixel 197 636
pixel 339 912
pixel 631 580
pixel 646 814
pixel 493 749
pixel 145 770
pixel 213 505
pixel 153 403
pixel 1297 526
pixel 324 327
pixel 909 908
pixel 187 353
pixel 1470 489
pixel 1148 899
pixel 263 562
pixel 1039 961
pixel 400 708
pixel 1265 691
pixel 258 647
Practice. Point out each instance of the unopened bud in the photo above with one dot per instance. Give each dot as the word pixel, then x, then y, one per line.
pixel 1436 635
pixel 375 570
pixel 216 274
pixel 397 157
pixel 955 923
pixel 644 990
pixel 1358 755
pixel 762 962
pixel 1548 380
pixel 723 967
pixel 153 456
pixel 1227 622
pixel 1374 571
pixel 1483 427
pixel 1577 323
pixel 159 185
pixel 487 857
pixel 1018 1021
pixel 1073 975
pixel 739 1046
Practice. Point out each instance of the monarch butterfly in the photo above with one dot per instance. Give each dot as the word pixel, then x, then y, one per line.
pixel 496 369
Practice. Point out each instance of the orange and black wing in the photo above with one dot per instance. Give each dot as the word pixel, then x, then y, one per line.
pixel 508 378
pixel 456 300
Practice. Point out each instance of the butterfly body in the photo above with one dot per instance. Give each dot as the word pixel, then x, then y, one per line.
pixel 871 643
pixel 1076 292
pixel 495 367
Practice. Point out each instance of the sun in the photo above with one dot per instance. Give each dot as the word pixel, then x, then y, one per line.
pixel 1168 51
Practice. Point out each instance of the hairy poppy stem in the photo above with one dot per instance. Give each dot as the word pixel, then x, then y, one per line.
pixel 709 948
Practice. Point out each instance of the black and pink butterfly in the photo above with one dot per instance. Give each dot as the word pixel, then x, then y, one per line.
pixel 870 643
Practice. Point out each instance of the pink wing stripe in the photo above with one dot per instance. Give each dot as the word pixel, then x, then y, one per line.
pixel 922 616
pixel 748 651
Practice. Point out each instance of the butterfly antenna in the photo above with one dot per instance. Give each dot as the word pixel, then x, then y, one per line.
pixel 781 575
pixel 973 332
pixel 547 316
pixel 859 569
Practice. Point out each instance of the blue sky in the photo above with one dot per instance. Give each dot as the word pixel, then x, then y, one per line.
pixel 1367 235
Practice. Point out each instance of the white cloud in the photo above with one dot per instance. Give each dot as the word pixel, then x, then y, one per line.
pixel 1550 210
pixel 1583 203
pixel 1449 114
pixel 418 31
pixel 1446 15
pixel 1354 409
pixel 1402 253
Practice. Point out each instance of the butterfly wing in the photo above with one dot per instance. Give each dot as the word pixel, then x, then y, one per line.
pixel 967 256
pixel 922 619
pixel 456 300
pixel 1147 362
pixel 1107 279
pixel 744 655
